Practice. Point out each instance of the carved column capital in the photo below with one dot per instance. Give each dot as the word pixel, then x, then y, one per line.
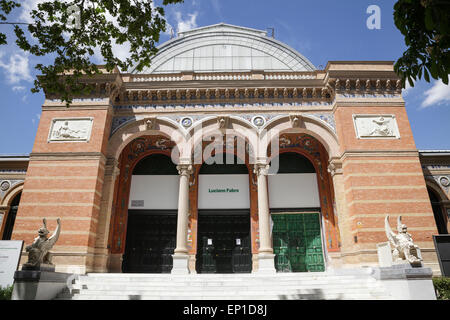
pixel 261 169
pixel 185 169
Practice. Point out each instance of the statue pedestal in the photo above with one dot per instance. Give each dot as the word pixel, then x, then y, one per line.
pixel 42 267
pixel 405 282
pixel 40 285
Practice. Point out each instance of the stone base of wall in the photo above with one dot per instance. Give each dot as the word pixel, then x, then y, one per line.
pixel 369 258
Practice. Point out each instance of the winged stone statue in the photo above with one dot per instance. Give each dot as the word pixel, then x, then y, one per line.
pixel 39 250
pixel 404 247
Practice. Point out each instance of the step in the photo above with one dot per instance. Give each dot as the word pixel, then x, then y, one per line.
pixel 317 285
pixel 218 291
pixel 225 283
pixel 203 287
pixel 234 297
pixel 222 280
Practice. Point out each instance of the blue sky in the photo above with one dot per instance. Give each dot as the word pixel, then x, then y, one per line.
pixel 322 30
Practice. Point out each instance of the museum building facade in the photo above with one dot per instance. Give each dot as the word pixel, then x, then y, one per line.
pixel 232 153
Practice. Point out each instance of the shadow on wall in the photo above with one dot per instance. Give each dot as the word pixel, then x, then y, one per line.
pixel 313 294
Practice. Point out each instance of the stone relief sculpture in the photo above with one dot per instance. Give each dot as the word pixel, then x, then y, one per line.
pixel 404 248
pixel 70 129
pixel 65 132
pixel 376 126
pixel 381 127
pixel 39 251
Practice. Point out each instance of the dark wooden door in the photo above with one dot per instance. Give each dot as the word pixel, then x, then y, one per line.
pixel 151 240
pixel 224 243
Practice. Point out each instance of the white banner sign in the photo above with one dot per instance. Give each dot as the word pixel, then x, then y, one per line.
pixel 294 190
pixel 10 251
pixel 223 191
pixel 154 192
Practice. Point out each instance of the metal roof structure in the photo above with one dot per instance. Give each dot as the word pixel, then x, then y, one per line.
pixel 225 48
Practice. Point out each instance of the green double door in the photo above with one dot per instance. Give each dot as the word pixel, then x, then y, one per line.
pixel 297 242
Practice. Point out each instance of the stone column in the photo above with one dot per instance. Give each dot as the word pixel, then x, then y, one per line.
pixel 3 211
pixel 181 254
pixel 266 258
pixel 104 261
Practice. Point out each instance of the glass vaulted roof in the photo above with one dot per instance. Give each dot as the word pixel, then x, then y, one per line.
pixel 225 48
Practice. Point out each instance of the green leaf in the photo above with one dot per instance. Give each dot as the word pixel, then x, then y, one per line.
pixel 429 24
pixel 425 74
pixel 445 78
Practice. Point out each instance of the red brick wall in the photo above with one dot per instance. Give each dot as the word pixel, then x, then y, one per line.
pixel 383 176
pixel 65 179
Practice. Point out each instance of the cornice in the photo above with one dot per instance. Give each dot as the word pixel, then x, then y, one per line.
pixel 378 153
pixel 238 87
pixel 68 156
pixel 218 108
pixel 215 95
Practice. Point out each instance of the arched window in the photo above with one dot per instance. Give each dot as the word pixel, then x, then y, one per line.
pixel 11 218
pixel 438 211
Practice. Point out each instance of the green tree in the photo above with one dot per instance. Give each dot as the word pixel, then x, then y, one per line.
pixel 70 31
pixel 425 25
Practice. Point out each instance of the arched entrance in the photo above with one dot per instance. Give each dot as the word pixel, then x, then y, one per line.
pixel 143 223
pixel 152 216
pixel 224 225
pixel 438 211
pixel 11 217
pixel 295 210
pixel 304 227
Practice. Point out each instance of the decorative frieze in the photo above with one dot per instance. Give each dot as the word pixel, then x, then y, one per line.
pixel 366 88
pixel 375 126
pixel 161 96
pixel 70 130
pixel 173 106
pixel 256 120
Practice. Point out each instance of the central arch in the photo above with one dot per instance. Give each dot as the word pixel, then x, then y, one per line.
pixel 224 223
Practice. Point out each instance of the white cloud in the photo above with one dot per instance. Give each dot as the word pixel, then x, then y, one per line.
pixel 18 88
pixel 16 69
pixel 438 94
pixel 26 7
pixel 186 24
pixel 407 89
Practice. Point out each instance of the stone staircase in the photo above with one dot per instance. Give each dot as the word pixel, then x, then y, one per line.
pixel 281 286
